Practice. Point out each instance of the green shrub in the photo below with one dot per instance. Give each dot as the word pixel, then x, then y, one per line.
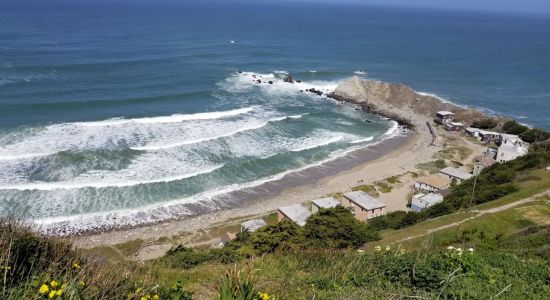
pixel 336 228
pixel 513 127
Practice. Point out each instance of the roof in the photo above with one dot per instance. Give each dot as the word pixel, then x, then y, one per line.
pixel 454 172
pixel 432 198
pixel 328 202
pixel 437 182
pixel 444 113
pixel 486 161
pixel 455 123
pixel 364 200
pixel 253 225
pixel 296 213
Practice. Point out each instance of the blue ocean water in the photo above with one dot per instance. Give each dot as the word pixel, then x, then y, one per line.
pixel 118 108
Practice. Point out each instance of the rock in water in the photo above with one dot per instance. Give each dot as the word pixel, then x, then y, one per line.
pixel 270 82
pixel 288 79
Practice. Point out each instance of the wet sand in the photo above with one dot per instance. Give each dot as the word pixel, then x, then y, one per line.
pixel 393 156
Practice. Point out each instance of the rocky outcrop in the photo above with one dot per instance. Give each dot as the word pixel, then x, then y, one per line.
pixel 399 102
pixel 288 79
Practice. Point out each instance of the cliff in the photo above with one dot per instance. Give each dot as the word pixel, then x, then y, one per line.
pixel 399 102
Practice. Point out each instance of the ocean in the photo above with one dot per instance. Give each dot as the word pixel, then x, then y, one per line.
pixel 122 114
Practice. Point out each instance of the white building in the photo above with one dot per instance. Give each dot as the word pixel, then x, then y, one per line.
pixel 454 173
pixel 482 135
pixel 252 225
pixel 423 201
pixel 511 147
pixel 432 183
pixel 295 213
pixel 328 202
pixel 442 117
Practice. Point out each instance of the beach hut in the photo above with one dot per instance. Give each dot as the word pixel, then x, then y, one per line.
pixel 432 183
pixel 442 117
pixel 454 126
pixel 328 202
pixel 422 201
pixel 364 206
pixel 482 163
pixel 253 225
pixel 295 213
pixel 455 174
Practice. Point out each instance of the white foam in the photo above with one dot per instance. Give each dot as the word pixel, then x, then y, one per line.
pixel 51 186
pixel 161 211
pixel 360 72
pixel 176 118
pixel 359 141
pixel 317 145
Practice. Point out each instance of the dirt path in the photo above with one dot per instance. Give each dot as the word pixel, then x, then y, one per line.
pixel 479 214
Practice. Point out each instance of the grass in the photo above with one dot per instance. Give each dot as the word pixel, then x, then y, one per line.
pixel 432 167
pixel 383 187
pixel 367 188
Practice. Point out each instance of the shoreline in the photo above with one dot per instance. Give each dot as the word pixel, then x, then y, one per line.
pixel 393 156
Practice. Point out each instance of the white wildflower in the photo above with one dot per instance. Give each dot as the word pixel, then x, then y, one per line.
pixel 450 248
pixel 377 248
pixel 388 248
pixel 471 250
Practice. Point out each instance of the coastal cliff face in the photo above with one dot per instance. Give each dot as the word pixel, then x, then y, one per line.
pixel 399 102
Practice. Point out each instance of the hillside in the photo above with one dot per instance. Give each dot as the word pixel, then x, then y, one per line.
pixel 496 247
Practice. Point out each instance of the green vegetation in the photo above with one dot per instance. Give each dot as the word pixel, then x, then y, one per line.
pixel 325 259
pixel 383 187
pixel 527 134
pixel 369 189
pixel 432 167
pixel 486 123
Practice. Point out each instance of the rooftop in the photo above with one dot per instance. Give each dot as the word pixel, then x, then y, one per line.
pixel 454 172
pixel 435 181
pixel 445 113
pixel 486 161
pixel 432 198
pixel 455 123
pixel 328 202
pixel 253 225
pixel 364 200
pixel 296 213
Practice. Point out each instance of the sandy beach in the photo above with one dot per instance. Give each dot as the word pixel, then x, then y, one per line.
pixel 394 157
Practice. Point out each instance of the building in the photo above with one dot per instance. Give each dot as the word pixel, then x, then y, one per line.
pixel 442 117
pixel 455 174
pixel 482 135
pixel 432 183
pixel 422 201
pixel 483 163
pixel 454 126
pixel 329 202
pixel 252 225
pixel 491 152
pixel 295 213
pixel 364 206
pixel 509 151
pixel 513 139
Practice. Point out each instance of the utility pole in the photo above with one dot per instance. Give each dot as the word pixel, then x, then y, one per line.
pixel 473 191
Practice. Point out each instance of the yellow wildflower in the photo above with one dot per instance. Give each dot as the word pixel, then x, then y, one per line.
pixel 75 265
pixel 59 293
pixel 81 283
pixel 51 294
pixel 155 297
pixel 54 284
pixel 44 289
pixel 138 290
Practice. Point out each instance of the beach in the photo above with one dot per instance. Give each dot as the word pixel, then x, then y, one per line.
pixel 393 157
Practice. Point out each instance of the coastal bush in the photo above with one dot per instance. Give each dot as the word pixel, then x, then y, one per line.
pixel 186 258
pixel 336 228
pixel 513 127
pixel 534 135
pixel 369 189
pixel 485 123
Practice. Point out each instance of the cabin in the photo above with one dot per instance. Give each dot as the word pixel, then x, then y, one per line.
pixel 454 126
pixel 442 117
pixel 422 201
pixel 328 202
pixel 252 225
pixel 455 174
pixel 294 213
pixel 483 163
pixel 482 135
pixel 432 183
pixel 363 205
